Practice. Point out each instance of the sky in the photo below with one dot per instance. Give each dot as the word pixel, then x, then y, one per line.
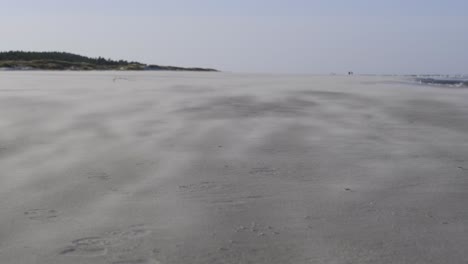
pixel 257 36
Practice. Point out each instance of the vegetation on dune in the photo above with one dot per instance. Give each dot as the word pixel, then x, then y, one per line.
pixel 23 60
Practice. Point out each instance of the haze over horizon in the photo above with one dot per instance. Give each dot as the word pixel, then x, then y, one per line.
pixel 316 37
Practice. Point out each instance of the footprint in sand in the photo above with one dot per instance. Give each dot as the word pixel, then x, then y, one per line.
pixel 259 230
pixel 41 214
pixel 99 176
pixel 204 186
pixel 87 247
pixel 132 233
pixel 98 245
pixel 228 204
pixel 264 171
pixel 137 261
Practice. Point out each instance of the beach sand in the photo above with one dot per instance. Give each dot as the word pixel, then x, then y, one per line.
pixel 160 167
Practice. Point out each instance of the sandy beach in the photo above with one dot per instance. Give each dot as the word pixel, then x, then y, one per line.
pixel 169 168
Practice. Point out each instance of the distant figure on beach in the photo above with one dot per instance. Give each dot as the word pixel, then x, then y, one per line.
pixel 350 73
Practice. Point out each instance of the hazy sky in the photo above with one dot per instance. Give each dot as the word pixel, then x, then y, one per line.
pixel 277 36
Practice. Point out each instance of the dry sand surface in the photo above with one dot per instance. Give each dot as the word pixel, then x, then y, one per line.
pixel 156 168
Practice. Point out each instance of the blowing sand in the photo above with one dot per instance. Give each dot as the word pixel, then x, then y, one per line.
pixel 156 168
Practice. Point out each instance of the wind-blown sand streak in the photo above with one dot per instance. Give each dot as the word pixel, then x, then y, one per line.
pixel 106 167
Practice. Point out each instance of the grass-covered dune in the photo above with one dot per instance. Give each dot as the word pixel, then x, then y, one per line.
pixel 24 60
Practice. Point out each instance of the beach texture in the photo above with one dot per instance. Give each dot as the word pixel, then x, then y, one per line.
pixel 163 168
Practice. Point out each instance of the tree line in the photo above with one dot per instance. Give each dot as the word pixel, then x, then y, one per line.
pixel 59 56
